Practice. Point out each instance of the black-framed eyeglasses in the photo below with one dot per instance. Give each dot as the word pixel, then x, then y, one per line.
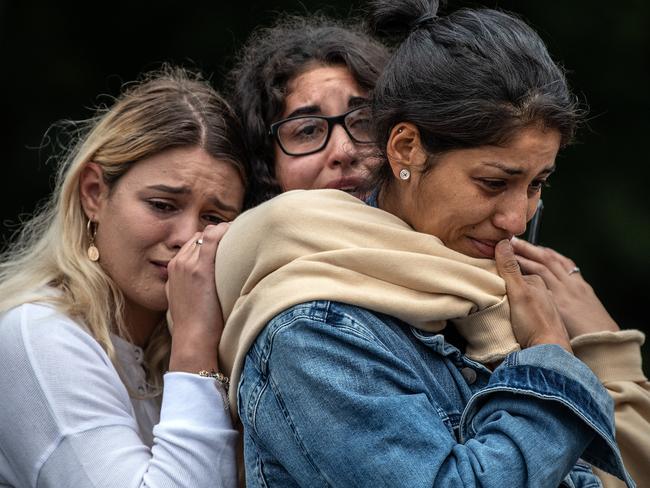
pixel 308 134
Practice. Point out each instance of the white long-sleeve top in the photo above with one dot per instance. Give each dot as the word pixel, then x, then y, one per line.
pixel 66 418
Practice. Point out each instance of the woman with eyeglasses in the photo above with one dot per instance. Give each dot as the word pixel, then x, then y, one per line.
pixel 337 308
pixel 301 88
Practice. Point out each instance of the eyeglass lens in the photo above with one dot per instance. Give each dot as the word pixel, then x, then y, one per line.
pixel 308 134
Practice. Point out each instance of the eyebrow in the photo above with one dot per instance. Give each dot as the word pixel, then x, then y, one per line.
pixel 185 190
pixel 316 110
pixel 306 110
pixel 518 171
pixel 357 102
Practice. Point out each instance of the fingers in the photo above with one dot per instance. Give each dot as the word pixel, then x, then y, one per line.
pixel 219 230
pixel 534 316
pixel 552 260
pixel 186 251
pixel 530 267
pixel 204 243
pixel 507 265
pixel 212 236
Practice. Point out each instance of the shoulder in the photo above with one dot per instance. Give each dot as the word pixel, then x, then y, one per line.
pixel 38 330
pixel 49 358
pixel 327 320
pixel 284 212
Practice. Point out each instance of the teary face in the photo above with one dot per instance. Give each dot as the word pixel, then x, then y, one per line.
pixel 473 198
pixel 151 211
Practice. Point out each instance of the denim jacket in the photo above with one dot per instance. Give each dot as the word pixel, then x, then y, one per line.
pixel 336 395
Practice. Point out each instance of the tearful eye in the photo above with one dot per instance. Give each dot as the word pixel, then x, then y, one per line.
pixel 492 184
pixel 214 219
pixel 537 185
pixel 161 206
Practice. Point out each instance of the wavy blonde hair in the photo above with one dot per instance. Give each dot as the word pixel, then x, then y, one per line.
pixel 169 107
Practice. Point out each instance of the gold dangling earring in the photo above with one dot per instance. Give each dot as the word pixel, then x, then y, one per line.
pixel 91 230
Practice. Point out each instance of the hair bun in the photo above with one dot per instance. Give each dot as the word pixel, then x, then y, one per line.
pixel 400 17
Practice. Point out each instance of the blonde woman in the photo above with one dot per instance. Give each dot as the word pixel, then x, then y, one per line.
pixel 94 390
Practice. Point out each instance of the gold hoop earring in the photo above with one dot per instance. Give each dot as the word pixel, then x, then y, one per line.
pixel 91 230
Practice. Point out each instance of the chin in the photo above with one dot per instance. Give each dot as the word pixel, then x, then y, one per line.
pixel 154 302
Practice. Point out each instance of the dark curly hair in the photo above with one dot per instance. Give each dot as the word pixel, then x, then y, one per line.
pixel 272 57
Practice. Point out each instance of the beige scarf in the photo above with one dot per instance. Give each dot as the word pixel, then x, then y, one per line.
pixel 328 245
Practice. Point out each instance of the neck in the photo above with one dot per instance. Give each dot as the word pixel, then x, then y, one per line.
pixel 141 323
pixel 389 200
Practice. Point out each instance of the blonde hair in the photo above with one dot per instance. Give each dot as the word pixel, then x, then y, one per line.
pixel 169 107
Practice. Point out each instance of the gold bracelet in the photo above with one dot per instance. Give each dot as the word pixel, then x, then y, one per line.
pixel 220 377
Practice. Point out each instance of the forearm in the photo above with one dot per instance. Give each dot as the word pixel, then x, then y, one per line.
pixel 194 446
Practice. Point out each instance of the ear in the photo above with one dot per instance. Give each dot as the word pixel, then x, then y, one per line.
pixel 93 191
pixel 404 149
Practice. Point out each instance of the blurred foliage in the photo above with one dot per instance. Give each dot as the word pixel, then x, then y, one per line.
pixel 58 58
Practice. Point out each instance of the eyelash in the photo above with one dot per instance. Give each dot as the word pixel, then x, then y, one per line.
pixel 160 206
pixel 165 207
pixel 217 219
pixel 543 184
pixel 497 185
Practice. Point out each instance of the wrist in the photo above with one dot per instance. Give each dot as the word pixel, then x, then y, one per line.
pixel 193 357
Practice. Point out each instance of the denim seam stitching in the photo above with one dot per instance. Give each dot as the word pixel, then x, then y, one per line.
pixel 292 426
pixel 571 406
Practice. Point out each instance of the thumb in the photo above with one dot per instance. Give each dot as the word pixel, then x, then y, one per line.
pixel 221 230
pixel 507 264
pixel 217 231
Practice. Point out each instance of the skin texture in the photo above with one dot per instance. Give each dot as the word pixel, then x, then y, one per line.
pixel 147 225
pixel 470 198
pixel 324 90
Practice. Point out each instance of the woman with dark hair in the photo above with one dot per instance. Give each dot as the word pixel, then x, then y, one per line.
pixel 375 342
pixel 301 89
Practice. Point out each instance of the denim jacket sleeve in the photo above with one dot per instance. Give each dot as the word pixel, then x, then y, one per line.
pixel 333 405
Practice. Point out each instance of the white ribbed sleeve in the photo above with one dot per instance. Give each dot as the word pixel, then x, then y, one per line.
pixel 66 418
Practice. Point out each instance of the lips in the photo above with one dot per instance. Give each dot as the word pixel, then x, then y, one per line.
pixel 484 247
pixel 161 266
pixel 350 184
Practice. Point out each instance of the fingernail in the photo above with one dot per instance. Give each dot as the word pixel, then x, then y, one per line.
pixel 505 245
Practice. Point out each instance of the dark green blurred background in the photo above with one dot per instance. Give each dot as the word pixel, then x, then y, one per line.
pixel 57 58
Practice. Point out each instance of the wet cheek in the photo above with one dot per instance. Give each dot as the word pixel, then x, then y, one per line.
pixel 138 235
pixel 531 211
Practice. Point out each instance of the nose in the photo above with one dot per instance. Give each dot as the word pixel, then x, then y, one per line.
pixel 512 214
pixel 341 150
pixel 182 229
